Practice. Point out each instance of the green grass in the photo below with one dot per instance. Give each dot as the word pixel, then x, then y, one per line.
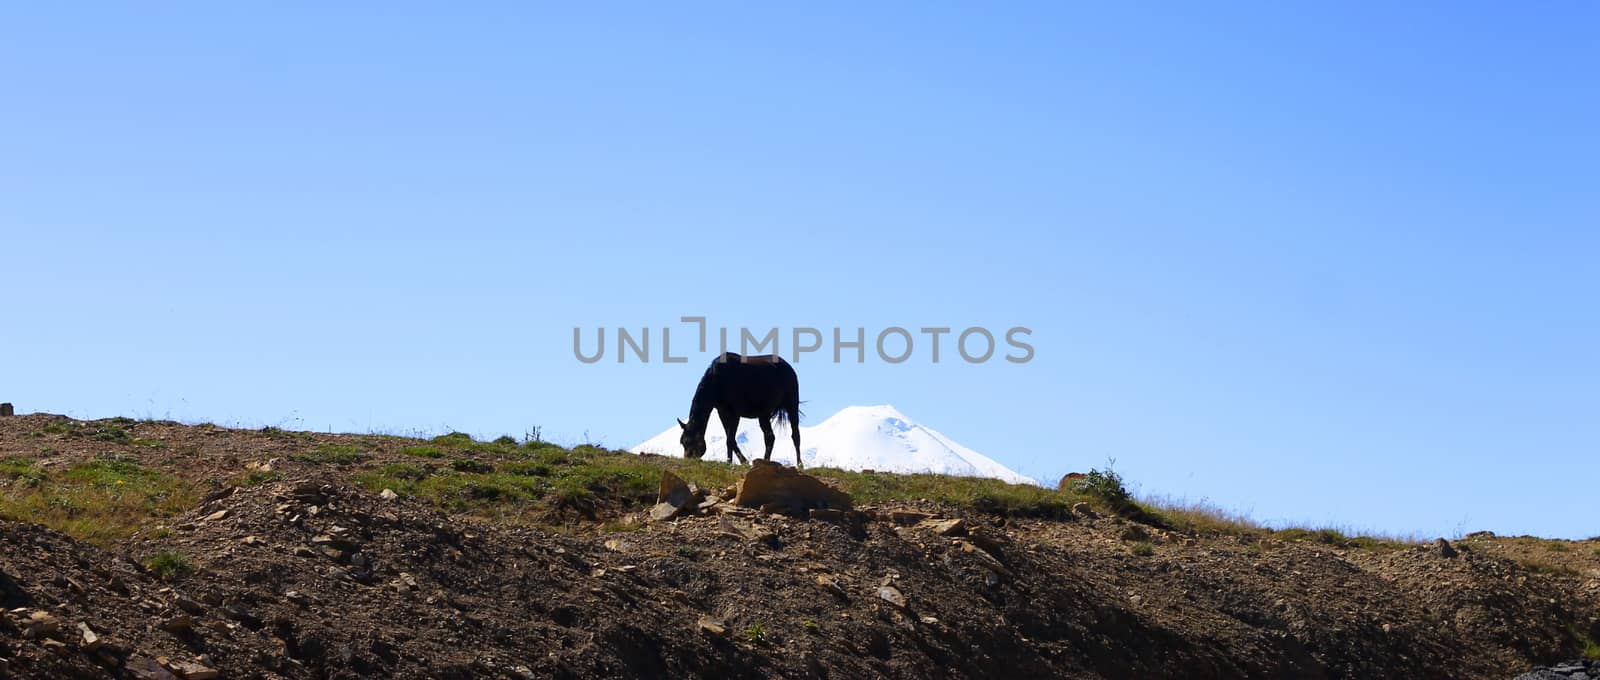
pixel 335 454
pixel 257 478
pixel 991 495
pixel 1542 567
pixel 100 501
pixel 1142 549
pixel 525 483
pixel 422 451
pixel 168 565
pixel 20 470
pixel 757 635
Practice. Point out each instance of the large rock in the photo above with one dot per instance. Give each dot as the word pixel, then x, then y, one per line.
pixel 774 485
pixel 676 498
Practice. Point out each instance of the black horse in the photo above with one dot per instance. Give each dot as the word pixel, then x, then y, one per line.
pixel 762 387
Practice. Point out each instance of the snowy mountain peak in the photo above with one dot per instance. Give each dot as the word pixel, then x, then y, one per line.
pixel 856 438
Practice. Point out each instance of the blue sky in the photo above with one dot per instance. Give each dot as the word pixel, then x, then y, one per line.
pixel 1325 265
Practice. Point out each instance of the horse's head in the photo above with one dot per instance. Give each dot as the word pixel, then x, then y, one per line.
pixel 694 443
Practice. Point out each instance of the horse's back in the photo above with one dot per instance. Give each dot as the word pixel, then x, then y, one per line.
pixel 752 360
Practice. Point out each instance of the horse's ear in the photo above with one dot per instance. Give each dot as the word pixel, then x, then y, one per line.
pixel 681 425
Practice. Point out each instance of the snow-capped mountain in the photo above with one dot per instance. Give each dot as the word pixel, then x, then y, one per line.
pixel 856 438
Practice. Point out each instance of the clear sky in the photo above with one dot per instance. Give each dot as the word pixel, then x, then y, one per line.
pixel 1322 263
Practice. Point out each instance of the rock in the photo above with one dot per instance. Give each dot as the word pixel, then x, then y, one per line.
pixel 179 624
pixel 88 640
pixel 831 584
pixel 7 410
pixel 673 490
pixel 827 514
pixel 193 671
pixel 1083 510
pixel 1134 532
pixel 189 605
pixel 675 498
pixel 146 668
pixel 907 517
pixel 1445 549
pixel 41 623
pixel 945 527
pixel 892 595
pixel 1481 534
pixel 215 516
pixel 1067 480
pixel 388 494
pixel 773 483
pixel 711 627
pixel 302 551
pixel 987 560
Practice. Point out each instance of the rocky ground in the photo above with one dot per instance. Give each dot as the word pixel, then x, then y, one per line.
pixel 305 574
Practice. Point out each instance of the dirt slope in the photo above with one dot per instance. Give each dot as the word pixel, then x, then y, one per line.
pixel 306 575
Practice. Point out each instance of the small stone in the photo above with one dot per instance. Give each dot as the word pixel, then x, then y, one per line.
pixel 930 620
pixel 945 527
pixel 388 494
pixel 907 516
pixel 302 551
pixel 827 514
pixel 892 595
pixel 831 584
pixel 192 671
pixel 251 540
pixel 712 627
pixel 615 545
pixel 1445 549
pixel 181 623
pixel 87 637
pixel 1082 509
pixel 41 623
pixel 146 668
pixel 216 516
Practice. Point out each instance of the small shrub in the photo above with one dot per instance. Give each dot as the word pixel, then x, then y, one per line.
pixel 168 565
pixel 506 440
pixel 1142 549
pixel 259 477
pixel 757 635
pixel 472 466
pixel 110 433
pixel 454 439
pixel 1106 486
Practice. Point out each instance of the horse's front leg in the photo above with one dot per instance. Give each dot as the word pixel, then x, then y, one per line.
pixel 767 436
pixel 730 429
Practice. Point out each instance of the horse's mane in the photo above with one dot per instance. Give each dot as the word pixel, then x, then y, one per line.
pixel 700 405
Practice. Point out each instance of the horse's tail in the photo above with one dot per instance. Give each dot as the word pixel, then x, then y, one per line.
pixel 782 414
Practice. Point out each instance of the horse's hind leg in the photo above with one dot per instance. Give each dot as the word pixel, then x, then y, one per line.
pixel 767 436
pixel 794 433
pixel 730 429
